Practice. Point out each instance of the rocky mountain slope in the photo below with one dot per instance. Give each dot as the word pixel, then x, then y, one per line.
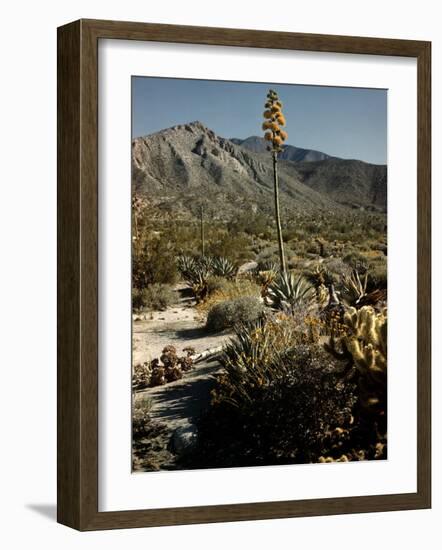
pixel 290 152
pixel 179 167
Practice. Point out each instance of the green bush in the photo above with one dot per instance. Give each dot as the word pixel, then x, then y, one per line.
pixel 285 416
pixel 336 269
pixel 153 262
pixel 356 260
pixel 155 297
pixel 215 284
pixel 233 247
pixel 377 273
pixel 231 313
pixel 141 416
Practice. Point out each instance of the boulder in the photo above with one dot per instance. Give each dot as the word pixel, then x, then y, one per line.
pixel 184 439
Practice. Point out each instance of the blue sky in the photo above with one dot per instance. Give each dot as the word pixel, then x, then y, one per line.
pixel 343 122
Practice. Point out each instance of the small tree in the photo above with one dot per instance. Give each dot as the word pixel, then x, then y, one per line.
pixel 273 121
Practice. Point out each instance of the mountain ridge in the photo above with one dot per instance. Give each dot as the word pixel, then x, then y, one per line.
pixel 293 153
pixel 178 166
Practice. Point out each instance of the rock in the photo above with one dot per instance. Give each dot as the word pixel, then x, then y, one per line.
pixel 247 267
pixel 184 439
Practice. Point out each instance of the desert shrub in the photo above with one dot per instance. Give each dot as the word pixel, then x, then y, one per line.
pixel 289 234
pixel 230 313
pixel 141 416
pixel 150 438
pixel 356 260
pixel 215 284
pixel 153 262
pixel 336 269
pixel 222 290
pixel 155 297
pixel 267 255
pixel 270 254
pixel 318 246
pixel 252 224
pixel 377 273
pixel 282 414
pixel 137 299
pixel 233 247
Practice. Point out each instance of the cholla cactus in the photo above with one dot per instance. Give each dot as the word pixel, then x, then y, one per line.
pixel 273 122
pixel 364 341
pixel 367 343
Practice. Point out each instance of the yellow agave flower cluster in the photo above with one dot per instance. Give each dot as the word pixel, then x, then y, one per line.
pixel 273 122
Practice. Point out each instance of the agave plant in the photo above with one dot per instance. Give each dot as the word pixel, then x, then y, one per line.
pixel 267 265
pixel 254 356
pixel 288 291
pixel 251 355
pixel 250 348
pixel 354 287
pixel 222 267
pixel 205 262
pixel 185 265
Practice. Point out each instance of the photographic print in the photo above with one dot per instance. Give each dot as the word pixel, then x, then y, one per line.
pixel 259 274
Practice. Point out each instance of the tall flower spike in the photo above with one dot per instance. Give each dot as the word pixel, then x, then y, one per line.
pixel 273 120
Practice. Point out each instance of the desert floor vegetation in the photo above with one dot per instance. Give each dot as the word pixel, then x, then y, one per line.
pixel 296 364
pixel 259 301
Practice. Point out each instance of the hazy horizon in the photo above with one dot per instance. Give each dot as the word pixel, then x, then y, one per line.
pixel 343 122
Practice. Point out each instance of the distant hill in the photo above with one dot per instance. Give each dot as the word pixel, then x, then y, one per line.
pixel 290 152
pixel 350 182
pixel 178 167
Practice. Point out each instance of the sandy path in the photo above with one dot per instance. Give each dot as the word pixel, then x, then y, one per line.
pixel 179 326
pixel 177 403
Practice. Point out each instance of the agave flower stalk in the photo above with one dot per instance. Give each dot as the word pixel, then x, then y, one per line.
pixel 273 122
pixel 203 241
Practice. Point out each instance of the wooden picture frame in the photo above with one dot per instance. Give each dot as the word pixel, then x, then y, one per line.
pixel 78 274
